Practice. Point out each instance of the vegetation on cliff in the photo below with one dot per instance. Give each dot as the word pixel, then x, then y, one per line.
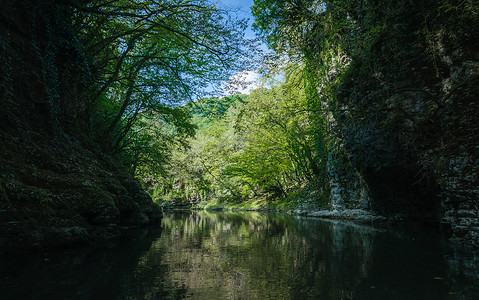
pixel 397 83
pixel 87 88
pixel 368 85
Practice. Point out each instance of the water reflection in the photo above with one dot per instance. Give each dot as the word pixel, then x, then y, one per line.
pixel 249 256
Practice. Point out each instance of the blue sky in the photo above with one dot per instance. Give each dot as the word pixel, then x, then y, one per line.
pixel 242 8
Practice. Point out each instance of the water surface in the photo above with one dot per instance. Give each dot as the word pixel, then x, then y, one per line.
pixel 250 256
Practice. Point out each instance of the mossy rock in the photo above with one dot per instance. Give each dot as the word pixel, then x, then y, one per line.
pixel 96 196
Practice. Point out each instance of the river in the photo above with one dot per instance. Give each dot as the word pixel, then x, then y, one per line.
pixel 247 255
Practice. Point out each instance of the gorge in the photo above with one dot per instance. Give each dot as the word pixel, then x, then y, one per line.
pixel 377 111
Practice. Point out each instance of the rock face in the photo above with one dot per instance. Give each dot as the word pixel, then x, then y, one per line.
pixel 54 191
pixel 409 121
pixel 347 187
pixel 56 186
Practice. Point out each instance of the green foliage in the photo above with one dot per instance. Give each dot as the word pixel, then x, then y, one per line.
pixel 344 56
pixel 207 110
pixel 150 142
pixel 147 58
pixel 198 170
pixel 392 79
pixel 249 150
pixel 277 131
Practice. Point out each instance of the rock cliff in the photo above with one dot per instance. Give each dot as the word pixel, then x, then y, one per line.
pixel 409 119
pixel 56 186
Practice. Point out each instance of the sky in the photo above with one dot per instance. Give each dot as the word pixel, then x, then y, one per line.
pixel 243 9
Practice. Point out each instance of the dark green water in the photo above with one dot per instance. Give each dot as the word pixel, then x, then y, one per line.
pixel 250 256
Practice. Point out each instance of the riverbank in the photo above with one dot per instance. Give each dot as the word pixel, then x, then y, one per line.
pixel 355 215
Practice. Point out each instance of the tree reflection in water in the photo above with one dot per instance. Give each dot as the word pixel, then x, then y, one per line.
pixel 273 256
pixel 238 255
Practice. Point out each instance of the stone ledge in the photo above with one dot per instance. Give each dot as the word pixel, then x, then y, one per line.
pixel 358 215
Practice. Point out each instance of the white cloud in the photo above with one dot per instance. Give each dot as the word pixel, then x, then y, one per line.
pixel 242 82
